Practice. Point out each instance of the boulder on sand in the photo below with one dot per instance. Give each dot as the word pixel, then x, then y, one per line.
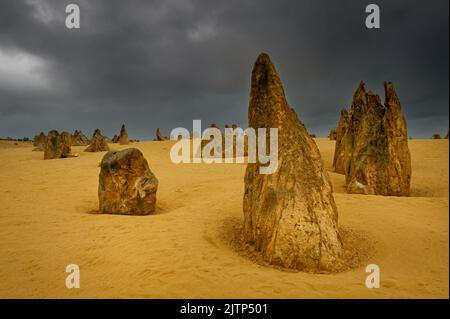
pixel 289 216
pixel 98 143
pixel 127 186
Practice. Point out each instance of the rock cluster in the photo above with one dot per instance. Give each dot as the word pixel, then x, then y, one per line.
pixel 127 186
pixel 372 145
pixel 289 216
pixel 98 143
pixel 58 145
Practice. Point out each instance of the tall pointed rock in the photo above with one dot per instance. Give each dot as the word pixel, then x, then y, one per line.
pixel 339 151
pixel 98 143
pixel 123 137
pixel 289 216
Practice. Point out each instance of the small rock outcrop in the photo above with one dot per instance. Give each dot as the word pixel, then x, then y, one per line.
pixel 79 139
pixel 127 186
pixel 373 152
pixel 58 145
pixel 339 150
pixel 289 216
pixel 159 136
pixel 123 137
pixel 39 142
pixel 98 143
pixel 332 134
pixel 436 136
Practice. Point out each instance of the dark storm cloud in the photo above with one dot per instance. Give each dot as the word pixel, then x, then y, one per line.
pixel 161 64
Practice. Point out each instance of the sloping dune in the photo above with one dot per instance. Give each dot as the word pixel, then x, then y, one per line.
pixel 191 248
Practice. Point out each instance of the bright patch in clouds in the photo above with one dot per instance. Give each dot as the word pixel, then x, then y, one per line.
pixel 20 71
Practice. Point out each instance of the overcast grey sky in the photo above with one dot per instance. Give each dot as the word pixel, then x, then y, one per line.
pixel 152 64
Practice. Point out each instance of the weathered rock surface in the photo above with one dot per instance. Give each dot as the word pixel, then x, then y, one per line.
pixel 39 142
pixel 58 145
pixel 289 216
pixel 123 137
pixel 79 139
pixel 98 143
pixel 126 184
pixel 373 152
pixel 159 136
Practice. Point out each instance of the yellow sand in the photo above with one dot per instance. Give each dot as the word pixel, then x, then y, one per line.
pixel 191 249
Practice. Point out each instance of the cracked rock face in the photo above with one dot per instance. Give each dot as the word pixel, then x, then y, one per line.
pixel 289 216
pixel 58 145
pixel 127 186
pixel 123 137
pixel 98 143
pixel 374 153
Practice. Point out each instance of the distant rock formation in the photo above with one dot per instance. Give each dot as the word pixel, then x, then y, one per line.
pixel 446 136
pixel 339 151
pixel 333 134
pixel 436 136
pixel 79 139
pixel 123 137
pixel 289 216
pixel 159 136
pixel 313 135
pixel 115 139
pixel 98 143
pixel 127 186
pixel 39 142
pixel 58 145
pixel 374 153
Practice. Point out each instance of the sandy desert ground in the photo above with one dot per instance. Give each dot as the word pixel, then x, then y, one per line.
pixel 191 248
